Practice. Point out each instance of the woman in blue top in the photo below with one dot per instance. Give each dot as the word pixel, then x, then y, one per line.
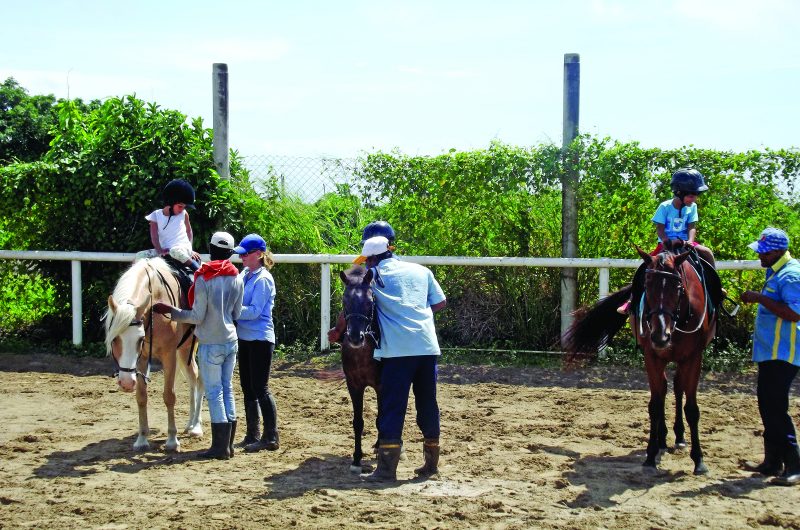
pixel 257 343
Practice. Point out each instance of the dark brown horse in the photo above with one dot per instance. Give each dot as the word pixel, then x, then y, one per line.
pixel 360 338
pixel 671 318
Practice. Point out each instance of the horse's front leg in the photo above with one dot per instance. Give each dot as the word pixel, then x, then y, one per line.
pixel 168 361
pixel 141 443
pixel 690 375
pixel 677 427
pixel 658 428
pixel 357 399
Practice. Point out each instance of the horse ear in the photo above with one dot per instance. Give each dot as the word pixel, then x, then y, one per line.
pixel 645 256
pixel 680 258
pixel 368 277
pixel 112 305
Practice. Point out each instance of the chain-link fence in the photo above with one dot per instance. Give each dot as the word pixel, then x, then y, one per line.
pixel 308 178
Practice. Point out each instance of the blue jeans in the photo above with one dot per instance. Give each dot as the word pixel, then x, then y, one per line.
pixel 216 363
pixel 398 376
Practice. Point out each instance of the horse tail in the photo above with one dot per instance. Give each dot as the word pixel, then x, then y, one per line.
pixel 594 327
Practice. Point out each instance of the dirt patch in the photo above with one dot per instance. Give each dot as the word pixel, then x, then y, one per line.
pixel 521 448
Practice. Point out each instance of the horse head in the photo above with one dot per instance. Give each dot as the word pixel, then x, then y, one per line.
pixel 358 304
pixel 125 327
pixel 665 300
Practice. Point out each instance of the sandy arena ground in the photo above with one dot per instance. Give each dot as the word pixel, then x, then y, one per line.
pixel 521 448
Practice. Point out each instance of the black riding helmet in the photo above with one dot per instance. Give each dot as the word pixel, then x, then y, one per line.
pixel 176 191
pixel 378 228
pixel 687 180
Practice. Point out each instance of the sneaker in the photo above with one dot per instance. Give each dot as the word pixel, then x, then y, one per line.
pixel 623 309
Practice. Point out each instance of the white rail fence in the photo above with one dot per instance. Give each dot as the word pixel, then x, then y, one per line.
pixel 325 260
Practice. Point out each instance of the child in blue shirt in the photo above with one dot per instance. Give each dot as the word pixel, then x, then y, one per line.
pixel 676 218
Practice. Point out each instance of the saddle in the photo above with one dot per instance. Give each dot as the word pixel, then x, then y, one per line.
pixel 184 275
pixel 708 277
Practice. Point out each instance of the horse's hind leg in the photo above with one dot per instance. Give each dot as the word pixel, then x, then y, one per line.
pixel 194 425
pixel 677 427
pixel 690 375
pixel 172 444
pixel 357 399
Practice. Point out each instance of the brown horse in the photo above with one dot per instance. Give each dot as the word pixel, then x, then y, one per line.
pixel 672 321
pixel 134 335
pixel 359 340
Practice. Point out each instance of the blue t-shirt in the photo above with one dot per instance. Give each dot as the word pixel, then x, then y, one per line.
pixel 775 338
pixel 404 293
pixel 255 321
pixel 676 224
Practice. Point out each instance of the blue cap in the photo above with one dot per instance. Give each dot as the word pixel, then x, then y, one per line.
pixel 251 242
pixel 770 239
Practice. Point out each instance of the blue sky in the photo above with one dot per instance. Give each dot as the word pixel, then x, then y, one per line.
pixel 339 78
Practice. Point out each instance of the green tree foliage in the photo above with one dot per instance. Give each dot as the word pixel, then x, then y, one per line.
pixel 27 122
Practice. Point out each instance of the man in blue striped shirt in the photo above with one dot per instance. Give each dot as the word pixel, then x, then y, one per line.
pixel 775 349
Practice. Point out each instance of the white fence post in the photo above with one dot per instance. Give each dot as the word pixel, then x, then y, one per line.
pixel 325 305
pixel 77 304
pixel 603 283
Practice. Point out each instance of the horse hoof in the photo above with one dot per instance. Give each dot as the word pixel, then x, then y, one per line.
pixel 141 448
pixel 648 469
pixel 679 447
pixel 700 469
pixel 356 470
pixel 195 432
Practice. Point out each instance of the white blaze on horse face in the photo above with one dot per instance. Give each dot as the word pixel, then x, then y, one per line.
pixel 130 344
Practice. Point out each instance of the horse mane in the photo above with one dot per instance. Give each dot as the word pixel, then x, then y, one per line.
pixel 116 323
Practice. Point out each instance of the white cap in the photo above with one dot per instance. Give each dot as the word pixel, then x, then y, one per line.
pixel 223 240
pixel 372 247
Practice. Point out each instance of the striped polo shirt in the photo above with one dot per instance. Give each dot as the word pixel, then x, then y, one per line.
pixel 775 338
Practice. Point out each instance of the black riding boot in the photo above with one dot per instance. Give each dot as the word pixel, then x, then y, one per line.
pixel 269 437
pixel 773 460
pixel 232 436
pixel 791 474
pixel 253 426
pixel 388 458
pixel 220 442
pixel 430 449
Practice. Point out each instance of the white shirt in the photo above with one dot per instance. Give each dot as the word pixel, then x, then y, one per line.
pixel 171 230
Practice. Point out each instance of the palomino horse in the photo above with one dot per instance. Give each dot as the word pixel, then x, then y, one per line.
pixel 672 320
pixel 134 335
pixel 358 343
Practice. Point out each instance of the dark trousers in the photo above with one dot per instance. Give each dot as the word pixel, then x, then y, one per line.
pixel 255 362
pixel 398 375
pixel 774 381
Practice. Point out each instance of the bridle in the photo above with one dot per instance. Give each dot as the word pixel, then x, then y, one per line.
pixel 369 319
pixel 675 315
pixel 135 370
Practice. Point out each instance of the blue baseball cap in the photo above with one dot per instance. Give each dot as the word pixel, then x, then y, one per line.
pixel 251 242
pixel 770 239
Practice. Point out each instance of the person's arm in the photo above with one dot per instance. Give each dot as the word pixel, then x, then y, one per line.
pixel 661 231
pixel 775 307
pixel 692 231
pixel 258 300
pixel 154 238
pixel 197 313
pixel 438 307
pixel 190 235
pixel 335 333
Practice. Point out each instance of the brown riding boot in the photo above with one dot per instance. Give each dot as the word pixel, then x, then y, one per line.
pixel 430 449
pixel 388 458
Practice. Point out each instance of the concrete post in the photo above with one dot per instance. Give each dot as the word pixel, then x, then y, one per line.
pixel 569 188
pixel 219 80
